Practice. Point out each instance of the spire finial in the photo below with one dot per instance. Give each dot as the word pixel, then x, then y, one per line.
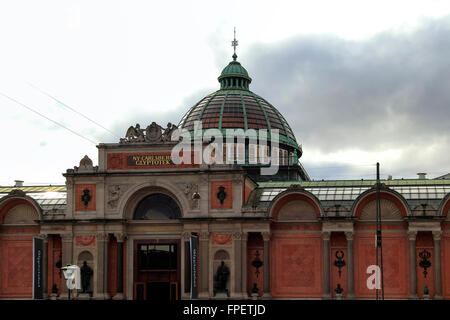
pixel 234 44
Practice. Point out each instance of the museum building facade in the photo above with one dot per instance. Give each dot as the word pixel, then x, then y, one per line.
pixel 136 216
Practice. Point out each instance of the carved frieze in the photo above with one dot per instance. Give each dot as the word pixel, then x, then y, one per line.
pixel 85 241
pixel 221 239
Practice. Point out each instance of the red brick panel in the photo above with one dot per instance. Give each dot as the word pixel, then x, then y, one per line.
pixel 79 204
pixel 423 280
pixel 445 262
pixel 16 272
pixel 228 202
pixel 338 243
pixel 296 263
pixel 395 261
pixel 54 254
pixel 112 267
pixel 252 277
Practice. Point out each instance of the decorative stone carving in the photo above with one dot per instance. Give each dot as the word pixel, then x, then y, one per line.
pixel 237 236
pixel 167 135
pixel 85 241
pixel 154 133
pixel 21 214
pixel 349 236
pixel 191 192
pixel 326 236
pixel 221 239
pixel 186 236
pixel 437 235
pixel 102 236
pixel 412 235
pixel 389 211
pixel 120 237
pixel 221 195
pixel 16 193
pixel 266 236
pixel 86 197
pixel 295 187
pixel 114 194
pixel 86 165
pixel 297 210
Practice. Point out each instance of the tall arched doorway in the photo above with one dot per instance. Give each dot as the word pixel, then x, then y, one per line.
pixel 157 261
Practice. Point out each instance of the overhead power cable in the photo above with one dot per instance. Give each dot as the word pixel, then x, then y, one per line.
pixel 72 109
pixel 40 114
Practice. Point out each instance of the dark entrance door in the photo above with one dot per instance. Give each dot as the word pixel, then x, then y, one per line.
pixel 156 271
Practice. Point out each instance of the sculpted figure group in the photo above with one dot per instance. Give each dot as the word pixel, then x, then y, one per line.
pixel 154 133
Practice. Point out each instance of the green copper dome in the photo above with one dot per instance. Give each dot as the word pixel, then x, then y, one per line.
pixel 234 75
pixel 234 106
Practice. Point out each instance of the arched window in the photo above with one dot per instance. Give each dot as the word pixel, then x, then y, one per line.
pixel 157 206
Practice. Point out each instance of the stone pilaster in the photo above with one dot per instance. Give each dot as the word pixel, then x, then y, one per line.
pixel 204 265
pixel 244 264
pixel 437 265
pixel 326 265
pixel 67 258
pixel 412 235
pixel 119 268
pixel 102 271
pixel 266 238
pixel 237 239
pixel 44 238
pixel 350 276
pixel 185 245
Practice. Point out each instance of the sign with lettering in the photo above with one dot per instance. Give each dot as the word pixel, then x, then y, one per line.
pixel 38 245
pixel 145 160
pixel 149 160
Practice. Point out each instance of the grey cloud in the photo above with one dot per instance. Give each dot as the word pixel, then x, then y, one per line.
pixel 388 91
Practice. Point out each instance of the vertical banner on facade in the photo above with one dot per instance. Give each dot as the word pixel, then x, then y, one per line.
pixel 38 245
pixel 194 266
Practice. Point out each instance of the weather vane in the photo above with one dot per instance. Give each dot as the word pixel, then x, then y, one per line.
pixel 234 44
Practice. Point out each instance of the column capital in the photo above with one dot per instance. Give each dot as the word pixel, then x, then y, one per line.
pixel 244 236
pixel 43 237
pixel 66 237
pixel 120 236
pixel 266 235
pixel 237 235
pixel 102 236
pixel 437 235
pixel 204 235
pixel 326 235
pixel 185 235
pixel 412 235
pixel 349 235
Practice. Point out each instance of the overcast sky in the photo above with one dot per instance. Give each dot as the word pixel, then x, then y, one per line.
pixel 358 81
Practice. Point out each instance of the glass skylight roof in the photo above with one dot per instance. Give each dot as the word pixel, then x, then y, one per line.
pixel 335 193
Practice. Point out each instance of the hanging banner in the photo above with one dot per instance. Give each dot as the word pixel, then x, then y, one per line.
pixel 194 267
pixel 38 246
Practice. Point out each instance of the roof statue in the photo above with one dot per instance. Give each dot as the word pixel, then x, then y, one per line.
pixel 154 133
